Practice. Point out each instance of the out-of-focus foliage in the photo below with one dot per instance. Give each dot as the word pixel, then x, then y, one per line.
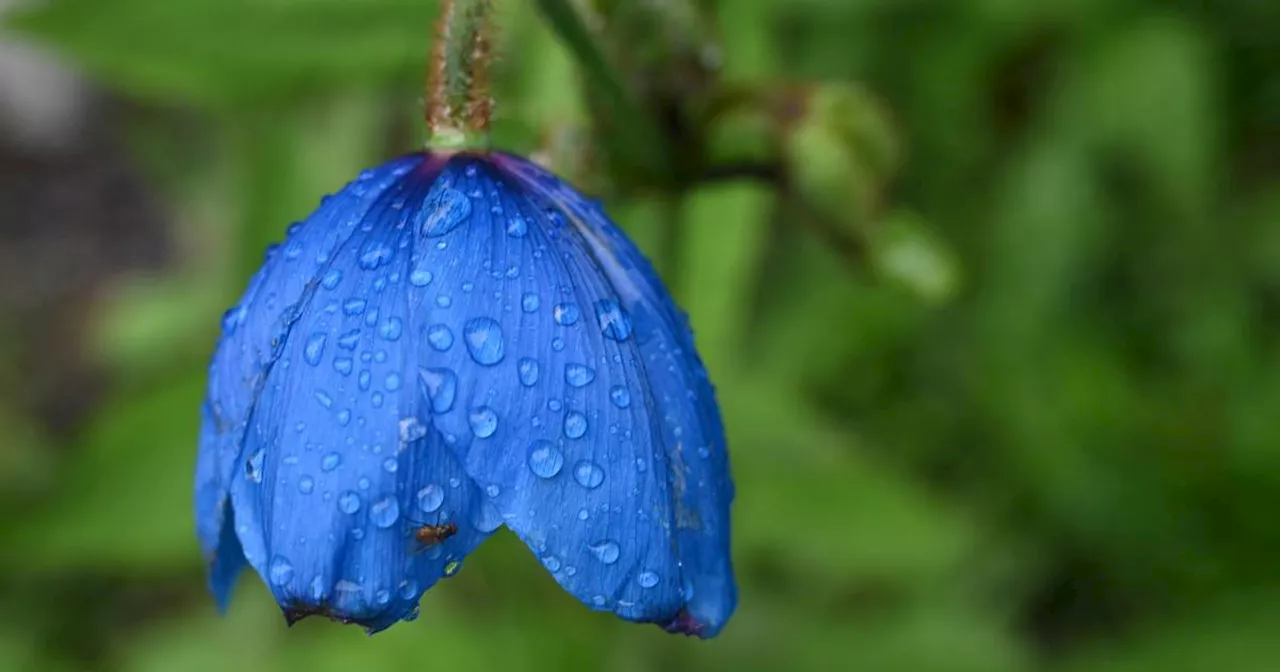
pixel 1025 420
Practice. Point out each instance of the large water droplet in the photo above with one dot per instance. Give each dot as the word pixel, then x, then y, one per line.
pixel 306 485
pixel 385 512
pixel 620 396
pixel 575 424
pixel 483 336
pixel 374 254
pixel 314 349
pixel 588 474
pixel 349 502
pixel 545 459
pixel 441 386
pixel 578 375
pixel 392 382
pixel 343 365
pixel 420 277
pixel 349 340
pixel 440 337
pixel 647 579
pixel 281 571
pixel 430 498
pixel 391 329
pixel 528 369
pixel 606 551
pixel 408 590
pixel 613 320
pixel 330 462
pixel 530 302
pixel 566 313
pixel 444 210
pixel 551 562
pixel 484 422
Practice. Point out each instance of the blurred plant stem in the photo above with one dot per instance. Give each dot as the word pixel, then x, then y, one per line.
pixel 459 106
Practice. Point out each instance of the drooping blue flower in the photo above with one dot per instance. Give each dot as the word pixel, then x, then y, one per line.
pixel 448 345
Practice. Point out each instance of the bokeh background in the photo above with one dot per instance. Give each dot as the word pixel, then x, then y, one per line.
pixel 990 291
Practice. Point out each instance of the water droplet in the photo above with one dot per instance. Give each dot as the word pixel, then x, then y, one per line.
pixel 280 571
pixel 343 365
pixel 483 336
pixel 588 474
pixel 253 468
pixel 545 459
pixel 317 588
pixel 306 485
pixel 349 502
pixel 371 318
pixel 613 320
pixel 575 424
pixel 420 278
pixel 647 579
pixel 382 596
pixel 528 369
pixel 343 417
pixel 445 209
pixel 487 518
pixel 385 512
pixel 430 498
pixel 492 490
pixel 578 375
pixel 330 462
pixel 484 422
pixel 566 313
pixel 530 303
pixel 392 382
pixel 364 483
pixel 390 465
pixel 408 590
pixel 391 329
pixel 452 568
pixel 324 399
pixel 441 386
pixel 606 551
pixel 598 600
pixel 583 514
pixel 557 344
pixel 331 279
pixel 440 337
pixel 354 306
pixel 365 380
pixel 377 399
pixel 314 348
pixel 349 340
pixel 620 396
pixel 444 301
pixel 517 226
pixel 374 254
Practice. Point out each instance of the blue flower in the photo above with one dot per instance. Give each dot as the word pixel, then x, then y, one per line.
pixel 447 346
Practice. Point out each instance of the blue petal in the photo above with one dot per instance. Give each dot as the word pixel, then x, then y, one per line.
pixel 340 464
pixel 575 394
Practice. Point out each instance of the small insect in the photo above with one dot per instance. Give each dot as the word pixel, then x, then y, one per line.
pixel 430 535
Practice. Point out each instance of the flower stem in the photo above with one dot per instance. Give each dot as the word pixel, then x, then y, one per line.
pixel 459 106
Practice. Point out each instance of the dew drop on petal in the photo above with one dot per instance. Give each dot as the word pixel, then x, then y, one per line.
pixel 420 278
pixel 444 210
pixel 306 485
pixel 614 322
pixel 441 386
pixel 385 512
pixel 647 579
pixel 588 474
pixel 314 349
pixel 606 551
pixel 517 227
pixel 575 424
pixel 566 314
pixel 530 303
pixel 330 462
pixel 331 279
pixel 528 369
pixel 391 329
pixel 484 422
pixel 620 396
pixel 430 498
pixel 281 571
pixel 440 337
pixel 578 375
pixel 545 459
pixel 349 502
pixel 483 336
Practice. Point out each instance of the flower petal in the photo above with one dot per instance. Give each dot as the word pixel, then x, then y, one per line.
pixel 576 397
pixel 253 332
pixel 340 466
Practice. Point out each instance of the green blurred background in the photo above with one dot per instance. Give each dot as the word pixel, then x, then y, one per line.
pixel 990 291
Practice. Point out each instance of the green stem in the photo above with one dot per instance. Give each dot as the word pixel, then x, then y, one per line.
pixel 459 106
pixel 647 142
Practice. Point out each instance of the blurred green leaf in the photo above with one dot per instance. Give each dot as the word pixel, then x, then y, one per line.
pixel 226 52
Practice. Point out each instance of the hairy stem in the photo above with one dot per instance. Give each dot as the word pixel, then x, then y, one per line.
pixel 459 105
